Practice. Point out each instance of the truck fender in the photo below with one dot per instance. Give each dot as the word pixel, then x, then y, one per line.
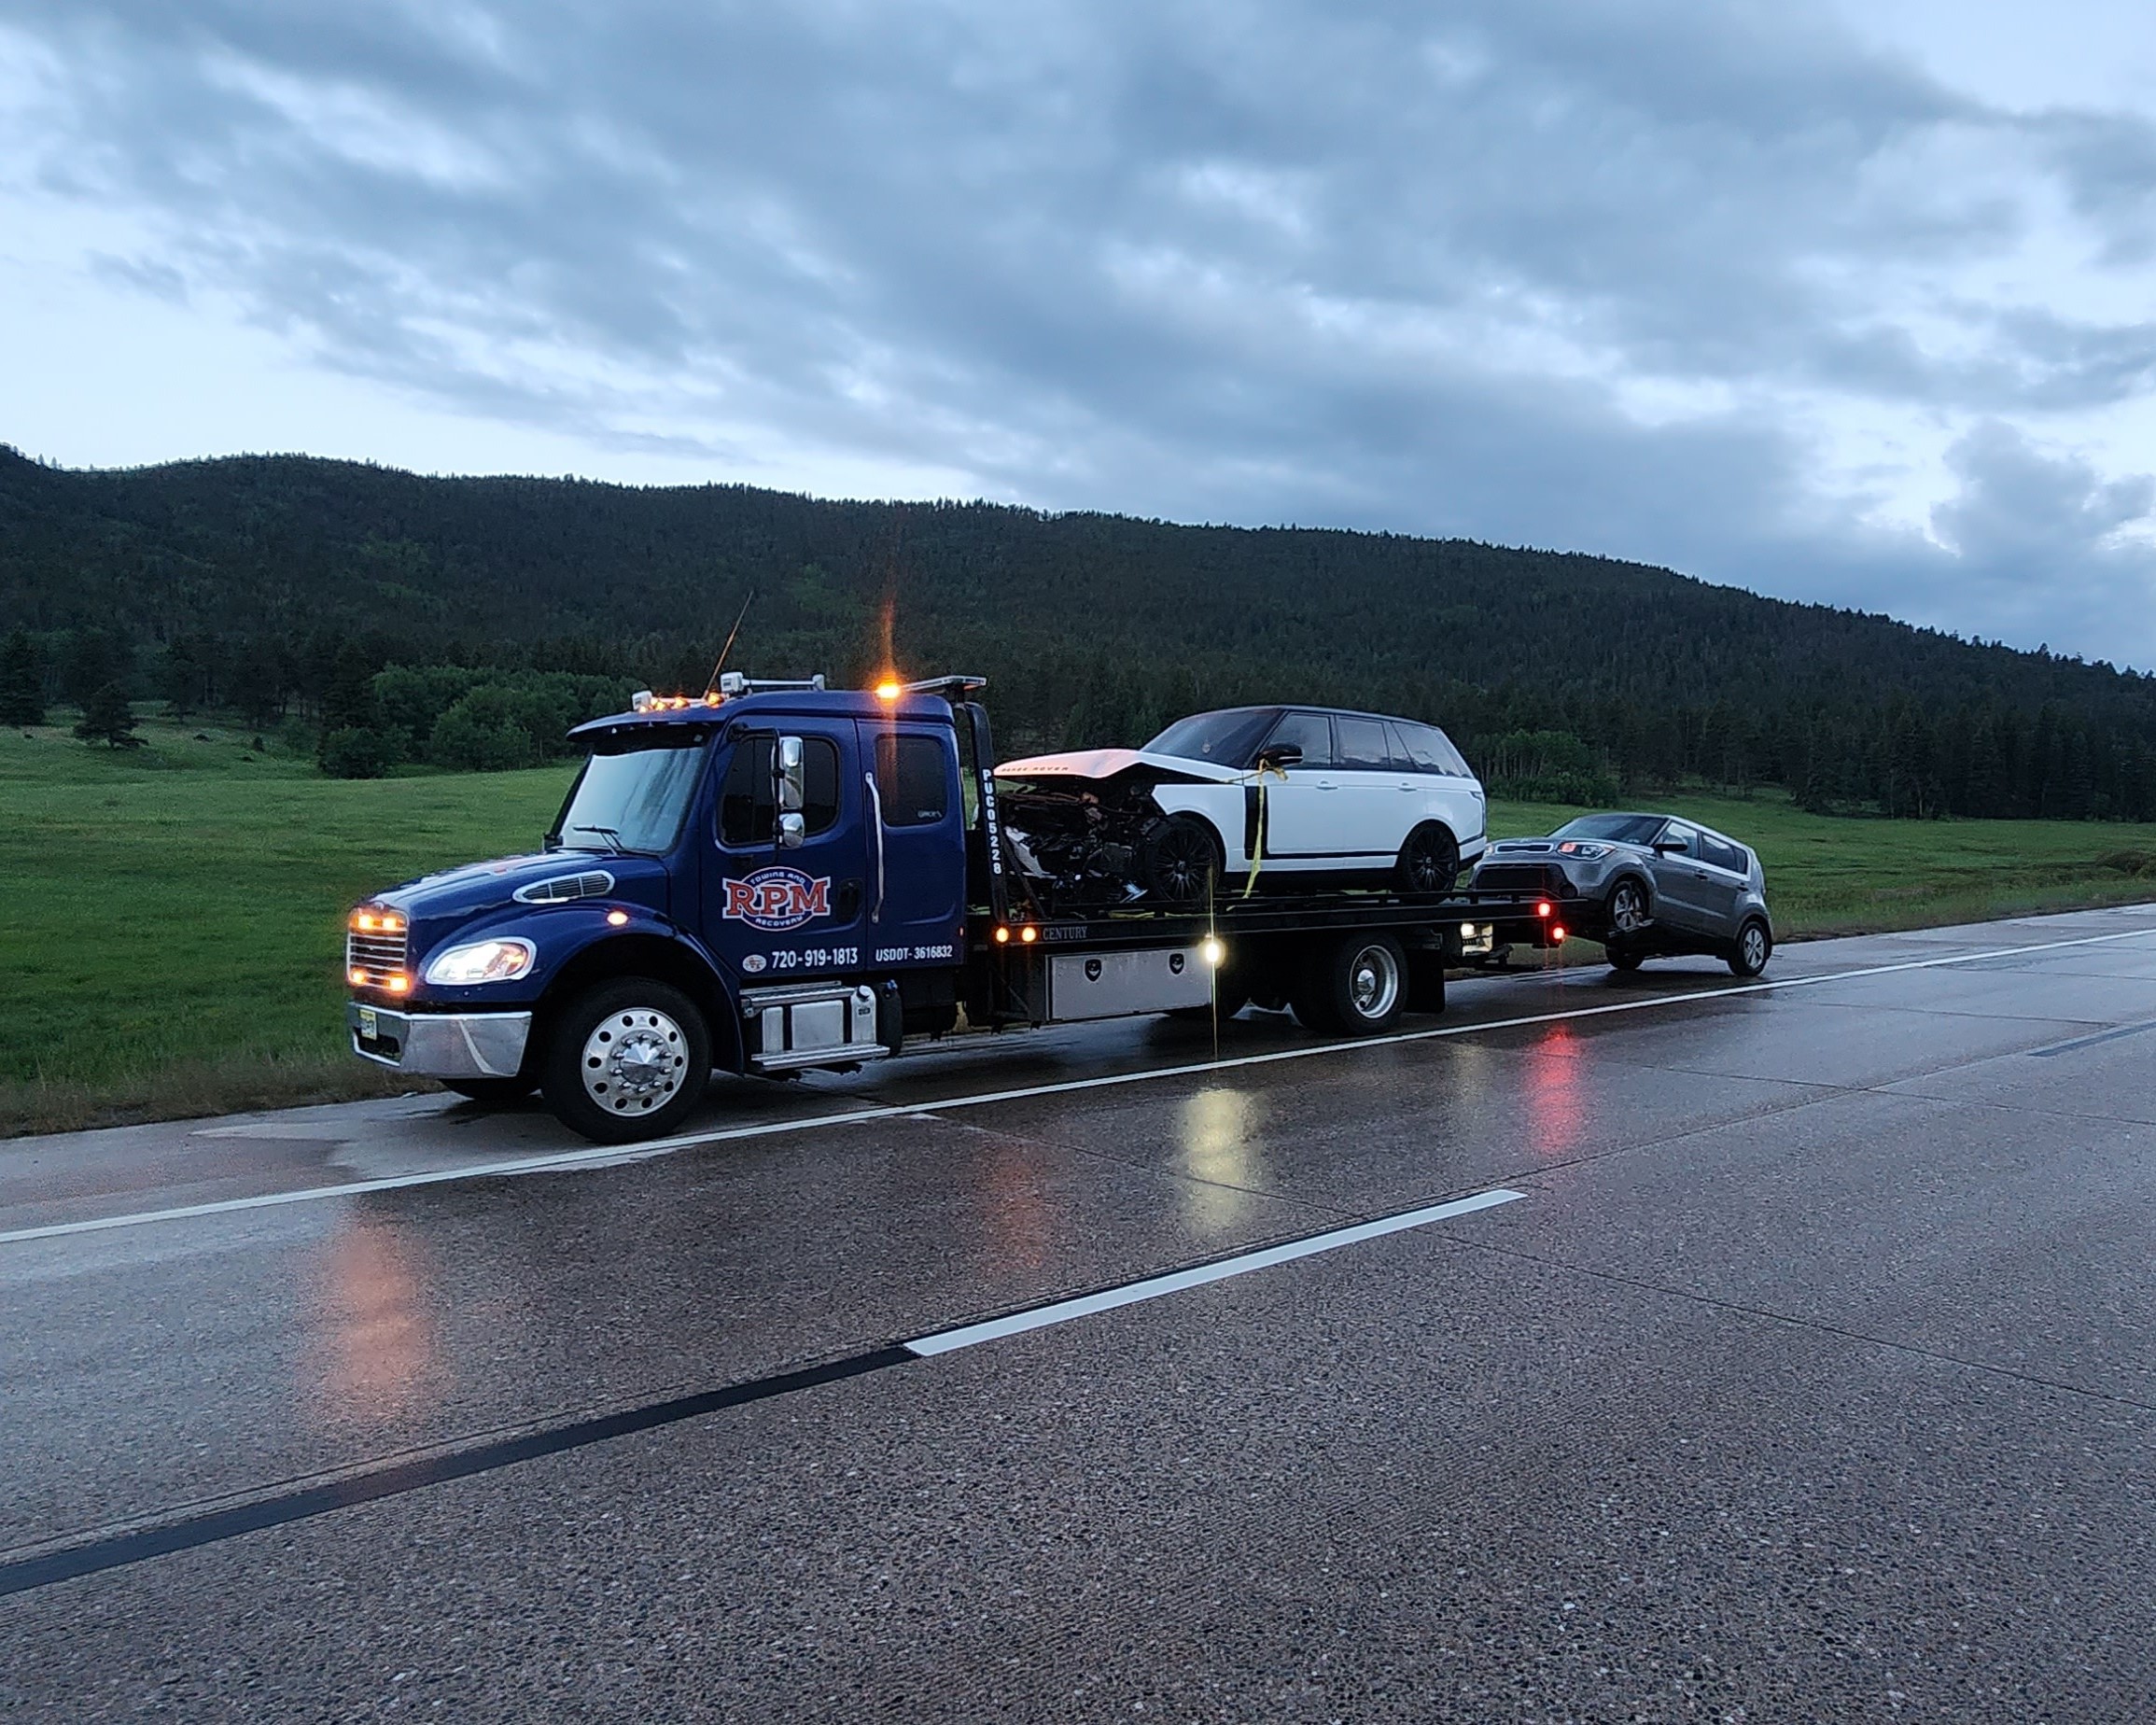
pixel 652 950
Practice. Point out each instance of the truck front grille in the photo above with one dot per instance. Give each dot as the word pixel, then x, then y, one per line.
pixel 376 946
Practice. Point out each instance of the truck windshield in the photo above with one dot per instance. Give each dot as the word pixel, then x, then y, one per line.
pixel 632 791
pixel 1617 829
pixel 1222 739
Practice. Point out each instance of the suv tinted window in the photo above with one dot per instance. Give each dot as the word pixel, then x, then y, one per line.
pixel 1432 750
pixel 747 802
pixel 1223 738
pixel 911 780
pixel 1362 743
pixel 1723 854
pixel 1312 733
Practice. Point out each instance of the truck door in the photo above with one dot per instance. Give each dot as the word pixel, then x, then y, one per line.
pixel 777 913
pixel 915 825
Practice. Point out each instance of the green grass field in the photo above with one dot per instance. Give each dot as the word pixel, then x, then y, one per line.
pixel 172 939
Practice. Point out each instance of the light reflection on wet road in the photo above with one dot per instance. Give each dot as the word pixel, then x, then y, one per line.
pixel 1869 1143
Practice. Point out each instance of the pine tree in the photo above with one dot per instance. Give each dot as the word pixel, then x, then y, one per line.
pixel 21 688
pixel 108 718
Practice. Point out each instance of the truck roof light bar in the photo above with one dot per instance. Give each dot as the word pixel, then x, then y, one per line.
pixel 731 684
pixel 951 688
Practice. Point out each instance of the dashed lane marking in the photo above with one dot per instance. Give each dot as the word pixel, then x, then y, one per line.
pixel 1153 1287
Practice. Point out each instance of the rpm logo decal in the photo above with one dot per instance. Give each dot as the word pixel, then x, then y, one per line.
pixel 777 899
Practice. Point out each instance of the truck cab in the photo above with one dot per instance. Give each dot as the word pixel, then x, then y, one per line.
pixel 767 880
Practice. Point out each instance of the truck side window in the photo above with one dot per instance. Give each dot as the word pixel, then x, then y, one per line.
pixel 746 802
pixel 913 778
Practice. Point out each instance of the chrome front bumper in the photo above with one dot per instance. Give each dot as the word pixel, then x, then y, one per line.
pixel 440 1045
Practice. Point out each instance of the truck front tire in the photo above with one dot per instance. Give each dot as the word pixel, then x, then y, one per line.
pixel 627 1060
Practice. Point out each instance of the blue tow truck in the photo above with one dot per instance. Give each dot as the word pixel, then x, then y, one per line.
pixel 780 876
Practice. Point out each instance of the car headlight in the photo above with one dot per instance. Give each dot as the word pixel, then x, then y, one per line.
pixel 1573 848
pixel 485 961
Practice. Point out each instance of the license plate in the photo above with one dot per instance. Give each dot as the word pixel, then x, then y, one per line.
pixel 367 1022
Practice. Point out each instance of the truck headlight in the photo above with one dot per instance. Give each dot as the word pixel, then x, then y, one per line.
pixel 485 961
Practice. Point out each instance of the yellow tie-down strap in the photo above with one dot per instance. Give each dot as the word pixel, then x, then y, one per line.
pixel 1257 855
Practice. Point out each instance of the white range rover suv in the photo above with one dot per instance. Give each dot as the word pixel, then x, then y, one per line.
pixel 1294 797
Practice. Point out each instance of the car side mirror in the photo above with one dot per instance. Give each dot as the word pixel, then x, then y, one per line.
pixel 789 775
pixel 1663 847
pixel 1280 755
pixel 792 831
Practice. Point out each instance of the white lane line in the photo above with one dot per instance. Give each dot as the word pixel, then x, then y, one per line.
pixel 1153 1287
pixel 601 1155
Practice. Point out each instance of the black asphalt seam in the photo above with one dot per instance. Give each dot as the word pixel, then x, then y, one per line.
pixel 185 1535
pixel 2090 1042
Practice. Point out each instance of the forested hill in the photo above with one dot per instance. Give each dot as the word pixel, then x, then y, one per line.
pixel 277 585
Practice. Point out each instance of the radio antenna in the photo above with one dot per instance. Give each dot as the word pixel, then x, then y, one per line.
pixel 713 685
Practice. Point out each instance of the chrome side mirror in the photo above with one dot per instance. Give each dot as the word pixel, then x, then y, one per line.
pixel 792 831
pixel 789 776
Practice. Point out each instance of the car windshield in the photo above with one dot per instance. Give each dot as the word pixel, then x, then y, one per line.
pixel 632 791
pixel 1617 829
pixel 1223 739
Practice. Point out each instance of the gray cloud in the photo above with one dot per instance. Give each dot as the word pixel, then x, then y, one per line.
pixel 1549 274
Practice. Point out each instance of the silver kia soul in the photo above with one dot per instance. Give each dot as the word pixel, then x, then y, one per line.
pixel 1643 885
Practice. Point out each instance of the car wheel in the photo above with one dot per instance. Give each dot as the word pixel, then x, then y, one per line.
pixel 1429 864
pixel 1626 908
pixel 1623 957
pixel 1356 986
pixel 1180 861
pixel 1755 945
pixel 627 1060
pixel 491 1092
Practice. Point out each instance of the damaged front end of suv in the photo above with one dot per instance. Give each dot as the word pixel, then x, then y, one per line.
pixel 1093 830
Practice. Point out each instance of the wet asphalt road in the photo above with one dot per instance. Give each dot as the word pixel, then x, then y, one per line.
pixel 1811 1376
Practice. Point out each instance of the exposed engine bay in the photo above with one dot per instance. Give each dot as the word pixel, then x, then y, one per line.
pixel 1096 844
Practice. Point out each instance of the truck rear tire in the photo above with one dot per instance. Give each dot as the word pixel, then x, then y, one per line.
pixel 1354 985
pixel 1425 982
pixel 627 1060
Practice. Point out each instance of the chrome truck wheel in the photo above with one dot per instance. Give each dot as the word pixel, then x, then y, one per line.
pixel 1353 986
pixel 627 1060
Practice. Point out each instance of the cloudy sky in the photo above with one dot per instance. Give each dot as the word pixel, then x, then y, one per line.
pixel 1856 306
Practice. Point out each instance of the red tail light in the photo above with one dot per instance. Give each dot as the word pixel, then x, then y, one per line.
pixel 1546 910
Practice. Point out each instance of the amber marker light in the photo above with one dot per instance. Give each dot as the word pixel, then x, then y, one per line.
pixel 618 918
pixel 358 978
pixel 889 689
pixel 1002 937
pixel 395 983
pixel 1028 934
